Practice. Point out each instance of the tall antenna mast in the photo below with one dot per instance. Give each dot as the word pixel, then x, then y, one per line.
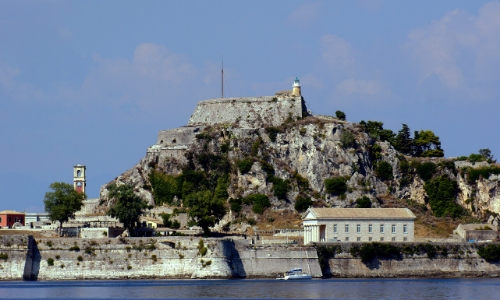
pixel 222 78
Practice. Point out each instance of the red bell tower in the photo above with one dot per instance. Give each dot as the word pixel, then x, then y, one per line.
pixel 79 178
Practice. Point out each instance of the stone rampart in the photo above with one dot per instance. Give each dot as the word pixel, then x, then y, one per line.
pixel 459 260
pixel 253 112
pixel 159 257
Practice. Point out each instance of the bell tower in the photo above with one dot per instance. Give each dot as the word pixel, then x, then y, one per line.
pixel 79 178
pixel 296 87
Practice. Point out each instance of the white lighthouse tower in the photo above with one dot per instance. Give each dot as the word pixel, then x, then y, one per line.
pixel 296 87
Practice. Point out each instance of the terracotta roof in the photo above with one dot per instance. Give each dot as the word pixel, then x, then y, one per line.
pixel 361 213
pixel 3 212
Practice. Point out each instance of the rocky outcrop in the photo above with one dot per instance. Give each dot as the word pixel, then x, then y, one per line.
pixel 300 149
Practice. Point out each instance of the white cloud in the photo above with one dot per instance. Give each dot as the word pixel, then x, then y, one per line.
pixel 338 54
pixel 153 75
pixel 461 49
pixel 304 14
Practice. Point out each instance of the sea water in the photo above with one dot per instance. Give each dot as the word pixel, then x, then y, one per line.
pixel 469 288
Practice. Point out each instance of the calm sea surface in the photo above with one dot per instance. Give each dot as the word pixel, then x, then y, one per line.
pixel 473 288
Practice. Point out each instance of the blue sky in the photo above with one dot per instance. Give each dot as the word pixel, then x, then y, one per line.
pixel 92 82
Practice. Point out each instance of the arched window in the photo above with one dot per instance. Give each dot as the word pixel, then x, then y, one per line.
pixel 78 173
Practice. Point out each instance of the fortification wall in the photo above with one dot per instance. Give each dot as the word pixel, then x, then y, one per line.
pixel 461 260
pixel 159 257
pixel 253 112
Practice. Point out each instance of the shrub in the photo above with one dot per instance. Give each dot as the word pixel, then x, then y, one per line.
pixel 49 243
pixel 475 173
pixel 4 256
pixel 302 203
pixel 235 204
pixel 375 152
pixel 251 221
pixel 50 261
pixel 336 185
pixel 280 187
pixel 302 182
pixel 490 252
pixel 58 256
pixel 441 192
pixel 347 139
pixel 369 251
pixel 153 257
pixel 268 168
pixel 363 202
pixel 165 187
pixel 201 248
pixel 74 248
pixel 340 115
pixel 79 258
pixel 129 267
pixel 245 165
pixel 473 158
pixel 426 170
pixel 259 202
pixel 384 170
pixel 272 132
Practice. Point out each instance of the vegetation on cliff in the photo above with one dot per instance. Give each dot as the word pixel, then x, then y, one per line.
pixel 312 161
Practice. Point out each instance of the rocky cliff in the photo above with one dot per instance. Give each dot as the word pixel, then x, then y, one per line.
pixel 297 156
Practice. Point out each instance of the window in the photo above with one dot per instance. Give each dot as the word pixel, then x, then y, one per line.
pixel 405 228
pixel 0 219
pixel 347 239
pixel 346 228
pixel 358 228
pixel 404 239
pixel 381 228
pixel 393 239
pixel 10 219
pixel 381 239
pixel 370 239
pixel 370 228
pixel 393 228
pixel 358 239
pixel 335 228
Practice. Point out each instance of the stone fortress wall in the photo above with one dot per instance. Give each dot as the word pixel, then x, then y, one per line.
pixel 244 115
pixel 139 258
pixel 252 112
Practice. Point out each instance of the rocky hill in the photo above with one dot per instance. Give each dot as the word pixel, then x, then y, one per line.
pixel 312 160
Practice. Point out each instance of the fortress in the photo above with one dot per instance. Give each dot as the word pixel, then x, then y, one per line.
pixel 241 115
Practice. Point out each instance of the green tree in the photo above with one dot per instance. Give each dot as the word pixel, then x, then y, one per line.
pixel 486 153
pixel 403 141
pixel 442 192
pixel 384 170
pixel 363 202
pixel 128 206
pixel 340 115
pixel 259 202
pixel 62 203
pixel 427 144
pixel 376 130
pixel 336 185
pixel 205 209
pixel 302 203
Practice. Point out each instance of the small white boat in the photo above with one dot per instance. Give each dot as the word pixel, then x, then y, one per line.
pixel 294 274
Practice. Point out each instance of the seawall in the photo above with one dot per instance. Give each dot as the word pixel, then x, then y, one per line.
pixel 140 258
pixel 416 260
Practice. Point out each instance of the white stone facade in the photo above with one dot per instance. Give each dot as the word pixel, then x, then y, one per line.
pixel 358 225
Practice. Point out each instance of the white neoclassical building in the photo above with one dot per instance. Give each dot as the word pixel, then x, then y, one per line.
pixel 358 225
